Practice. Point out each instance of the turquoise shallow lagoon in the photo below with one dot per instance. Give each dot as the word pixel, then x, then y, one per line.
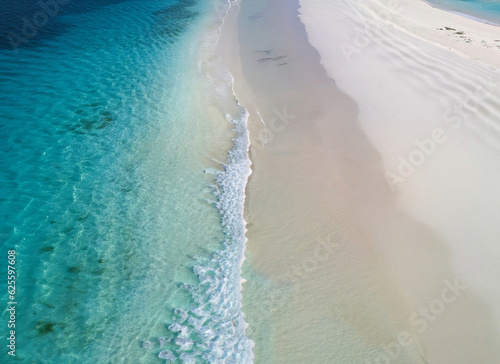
pixel 485 10
pixel 110 193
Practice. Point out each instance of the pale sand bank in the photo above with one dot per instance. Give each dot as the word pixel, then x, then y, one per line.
pixel 465 36
pixel 409 91
pixel 337 263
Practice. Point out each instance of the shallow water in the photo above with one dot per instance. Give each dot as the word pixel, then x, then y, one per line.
pixel 106 136
pixel 484 10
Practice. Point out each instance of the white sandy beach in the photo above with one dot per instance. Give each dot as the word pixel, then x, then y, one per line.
pixel 372 207
pixel 414 80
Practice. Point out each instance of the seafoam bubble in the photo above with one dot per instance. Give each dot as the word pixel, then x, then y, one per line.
pixel 181 314
pixel 147 344
pixel 196 323
pixel 187 359
pixel 184 344
pixel 167 355
pixel 207 334
pixel 175 327
pixel 198 311
pixel 163 340
pixel 198 269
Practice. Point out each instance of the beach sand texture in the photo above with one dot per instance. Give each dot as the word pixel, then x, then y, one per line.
pixel 372 206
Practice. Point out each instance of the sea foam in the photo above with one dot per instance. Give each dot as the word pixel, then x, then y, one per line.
pixel 214 330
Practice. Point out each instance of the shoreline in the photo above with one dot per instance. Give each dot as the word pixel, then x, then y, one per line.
pixel 333 256
pixel 479 41
pixel 465 15
pixel 472 17
pixel 289 175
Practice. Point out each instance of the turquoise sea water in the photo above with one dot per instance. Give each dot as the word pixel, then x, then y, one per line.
pixel 129 236
pixel 485 10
